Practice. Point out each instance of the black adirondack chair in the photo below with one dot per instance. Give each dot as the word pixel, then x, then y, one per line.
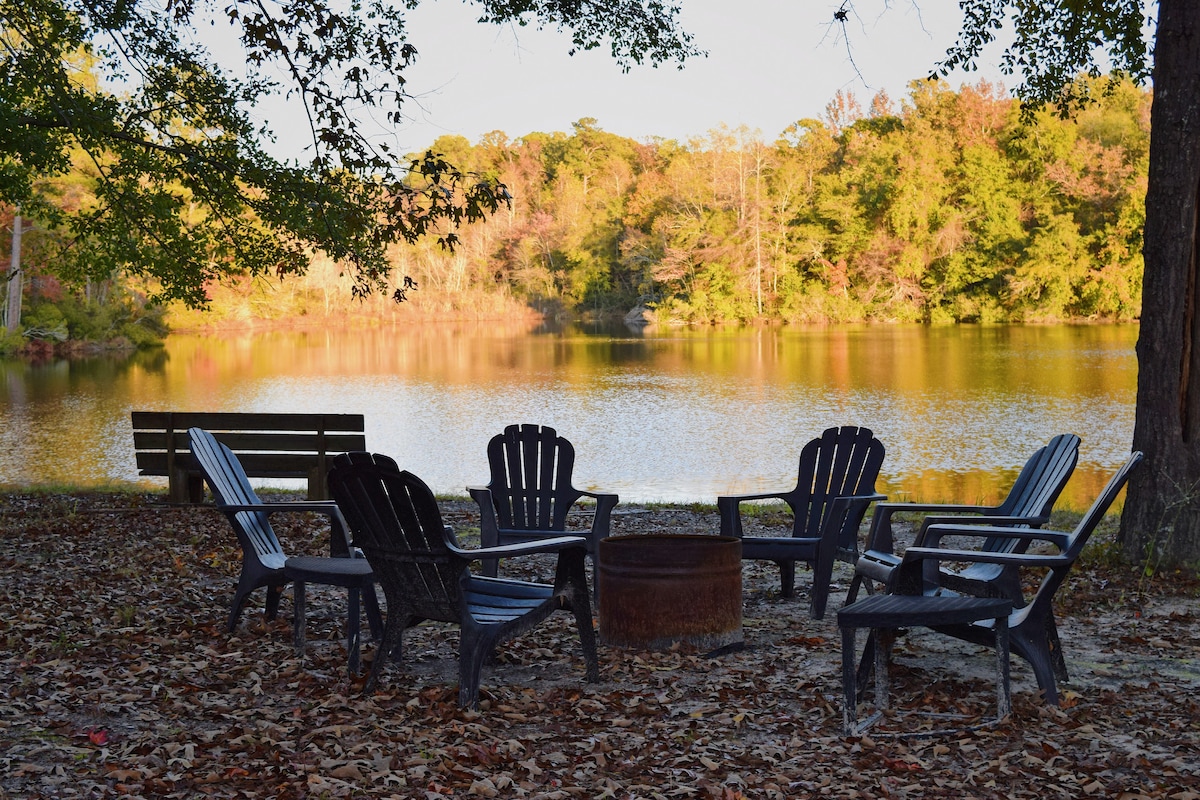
pixel 529 493
pixel 1033 634
pixel 841 462
pixel 264 564
pixel 1028 504
pixel 425 574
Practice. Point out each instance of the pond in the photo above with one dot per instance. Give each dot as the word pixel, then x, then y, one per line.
pixel 655 415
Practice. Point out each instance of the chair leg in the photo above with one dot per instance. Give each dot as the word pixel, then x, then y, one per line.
pixel 849 683
pixel 353 626
pixel 239 602
pixel 852 592
pixel 1031 645
pixel 587 639
pixel 884 639
pixel 822 570
pixel 1003 689
pixel 820 598
pixel 787 578
pixel 473 650
pixel 571 572
pixel 866 666
pixel 374 617
pixel 298 612
pixel 1054 646
pixel 390 645
pixel 272 606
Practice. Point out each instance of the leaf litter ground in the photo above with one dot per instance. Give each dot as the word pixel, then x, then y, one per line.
pixel 119 680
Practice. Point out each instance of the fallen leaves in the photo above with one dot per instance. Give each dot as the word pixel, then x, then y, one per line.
pixel 118 679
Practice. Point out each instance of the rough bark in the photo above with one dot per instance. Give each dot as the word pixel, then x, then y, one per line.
pixel 1161 520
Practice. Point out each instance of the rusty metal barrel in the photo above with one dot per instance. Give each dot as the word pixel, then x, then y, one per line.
pixel 659 590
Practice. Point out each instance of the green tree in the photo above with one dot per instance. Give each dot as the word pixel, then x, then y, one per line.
pixel 186 191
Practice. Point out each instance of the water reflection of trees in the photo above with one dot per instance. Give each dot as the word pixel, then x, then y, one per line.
pixel 959 408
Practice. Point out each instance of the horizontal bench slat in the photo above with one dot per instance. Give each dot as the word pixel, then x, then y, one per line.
pixel 261 442
pixel 256 465
pixel 214 421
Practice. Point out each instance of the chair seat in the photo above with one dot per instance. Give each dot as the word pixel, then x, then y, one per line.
pixel 351 573
pixel 495 600
pixel 769 548
pixel 904 611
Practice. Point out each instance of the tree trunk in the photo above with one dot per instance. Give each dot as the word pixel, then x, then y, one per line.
pixel 1161 521
pixel 12 310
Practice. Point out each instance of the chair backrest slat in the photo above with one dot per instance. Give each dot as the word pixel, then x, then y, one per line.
pixel 1042 478
pixel 842 461
pixel 1038 486
pixel 531 469
pixel 231 487
pixel 394 518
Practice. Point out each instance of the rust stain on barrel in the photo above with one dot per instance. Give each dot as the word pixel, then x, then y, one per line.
pixel 657 590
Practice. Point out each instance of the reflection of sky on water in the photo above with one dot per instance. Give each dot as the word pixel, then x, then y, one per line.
pixel 681 416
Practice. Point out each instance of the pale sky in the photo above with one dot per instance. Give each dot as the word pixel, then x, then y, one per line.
pixel 770 63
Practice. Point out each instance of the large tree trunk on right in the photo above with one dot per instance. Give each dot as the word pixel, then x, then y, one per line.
pixel 1161 520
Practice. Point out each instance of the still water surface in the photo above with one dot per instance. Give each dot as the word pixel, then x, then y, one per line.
pixel 677 415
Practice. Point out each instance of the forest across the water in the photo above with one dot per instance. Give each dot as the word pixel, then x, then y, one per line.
pixel 943 206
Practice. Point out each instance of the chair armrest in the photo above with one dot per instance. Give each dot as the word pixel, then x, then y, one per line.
pixel 742 498
pixel 489 528
pixel 880 538
pixel 935 533
pixel 923 536
pixel 339 537
pixel 877 566
pixel 919 554
pixel 554 545
pixel 909 577
pixel 318 506
pixel 728 506
pixel 605 503
pixel 937 508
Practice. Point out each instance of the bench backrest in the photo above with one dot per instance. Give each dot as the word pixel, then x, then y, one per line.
pixel 267 445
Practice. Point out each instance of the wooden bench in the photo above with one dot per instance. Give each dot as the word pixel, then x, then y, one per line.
pixel 268 446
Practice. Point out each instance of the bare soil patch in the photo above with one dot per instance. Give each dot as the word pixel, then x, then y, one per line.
pixel 118 680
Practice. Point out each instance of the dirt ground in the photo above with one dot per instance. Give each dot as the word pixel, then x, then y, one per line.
pixel 119 680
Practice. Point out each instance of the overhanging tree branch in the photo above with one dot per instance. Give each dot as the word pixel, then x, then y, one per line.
pixel 179 135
